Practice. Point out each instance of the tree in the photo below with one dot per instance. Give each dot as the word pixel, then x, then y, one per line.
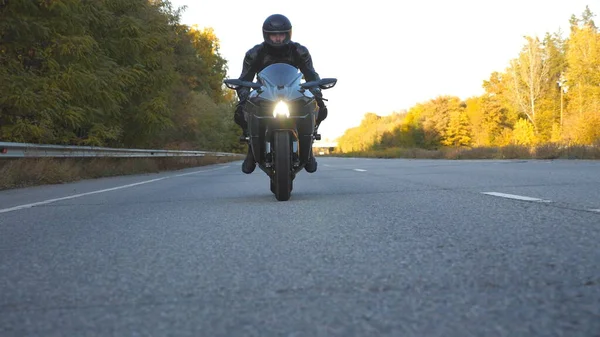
pixel 529 74
pixel 582 78
pixel 550 105
pixel 111 73
pixel 459 129
pixel 212 67
pixel 524 133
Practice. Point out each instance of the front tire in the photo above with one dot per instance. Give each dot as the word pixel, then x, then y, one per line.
pixel 283 166
pixel 274 190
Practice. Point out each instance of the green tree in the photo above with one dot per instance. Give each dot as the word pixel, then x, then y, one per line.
pixel 212 67
pixel 53 75
pixel 112 73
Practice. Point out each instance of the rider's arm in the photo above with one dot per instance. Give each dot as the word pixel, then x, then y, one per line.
pixel 248 72
pixel 304 63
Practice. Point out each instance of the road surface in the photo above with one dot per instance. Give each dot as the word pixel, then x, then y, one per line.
pixel 364 247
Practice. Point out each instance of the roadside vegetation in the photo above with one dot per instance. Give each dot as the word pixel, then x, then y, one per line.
pixel 39 171
pixel 548 151
pixel 113 73
pixel 545 105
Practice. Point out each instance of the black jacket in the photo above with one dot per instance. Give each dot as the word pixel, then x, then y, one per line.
pixel 263 55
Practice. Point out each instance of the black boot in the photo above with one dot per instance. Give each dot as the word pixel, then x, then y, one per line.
pixel 311 165
pixel 249 164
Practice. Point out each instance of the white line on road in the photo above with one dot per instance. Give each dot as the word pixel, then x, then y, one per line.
pixel 516 197
pixel 594 210
pixel 196 172
pixel 360 170
pixel 16 208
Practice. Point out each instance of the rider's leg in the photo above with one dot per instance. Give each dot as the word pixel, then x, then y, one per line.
pixel 249 163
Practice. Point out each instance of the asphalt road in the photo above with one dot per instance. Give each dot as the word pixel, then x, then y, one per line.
pixel 362 248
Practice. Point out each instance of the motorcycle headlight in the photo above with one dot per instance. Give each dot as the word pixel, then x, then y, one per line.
pixel 281 109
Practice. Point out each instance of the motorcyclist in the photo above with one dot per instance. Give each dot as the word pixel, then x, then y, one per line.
pixel 277 47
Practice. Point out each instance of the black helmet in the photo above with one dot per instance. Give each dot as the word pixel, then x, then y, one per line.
pixel 277 23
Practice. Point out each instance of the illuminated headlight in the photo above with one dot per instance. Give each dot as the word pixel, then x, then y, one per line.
pixel 281 109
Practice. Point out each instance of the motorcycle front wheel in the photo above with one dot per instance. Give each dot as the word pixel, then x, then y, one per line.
pixel 282 160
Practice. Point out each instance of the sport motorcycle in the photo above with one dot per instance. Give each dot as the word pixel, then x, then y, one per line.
pixel 281 112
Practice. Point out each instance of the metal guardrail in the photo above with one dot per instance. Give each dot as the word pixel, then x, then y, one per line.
pixel 29 150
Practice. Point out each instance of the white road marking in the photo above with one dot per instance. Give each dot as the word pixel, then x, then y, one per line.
pixel 196 172
pixel 594 210
pixel 16 208
pixel 360 170
pixel 516 197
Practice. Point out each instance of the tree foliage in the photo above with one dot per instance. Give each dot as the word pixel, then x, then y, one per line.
pixel 121 73
pixel 549 93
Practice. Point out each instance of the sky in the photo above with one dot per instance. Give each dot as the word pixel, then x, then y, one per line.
pixel 390 55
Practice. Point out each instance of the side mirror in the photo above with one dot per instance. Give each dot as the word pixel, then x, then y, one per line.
pixel 234 83
pixel 325 83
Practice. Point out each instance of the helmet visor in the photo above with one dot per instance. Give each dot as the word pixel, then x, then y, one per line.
pixel 277 38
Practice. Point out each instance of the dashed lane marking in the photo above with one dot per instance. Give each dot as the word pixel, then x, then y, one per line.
pixel 515 197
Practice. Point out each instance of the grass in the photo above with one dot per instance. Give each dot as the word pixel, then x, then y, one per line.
pixel 548 151
pixel 16 173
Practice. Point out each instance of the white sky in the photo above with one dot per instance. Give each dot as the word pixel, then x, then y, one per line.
pixel 389 55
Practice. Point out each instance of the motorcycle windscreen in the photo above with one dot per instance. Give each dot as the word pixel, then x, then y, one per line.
pixel 280 75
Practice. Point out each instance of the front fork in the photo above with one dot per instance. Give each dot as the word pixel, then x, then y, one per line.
pixel 269 154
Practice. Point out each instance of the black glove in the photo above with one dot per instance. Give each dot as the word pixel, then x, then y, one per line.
pixel 317 93
pixel 319 97
pixel 238 117
pixel 243 93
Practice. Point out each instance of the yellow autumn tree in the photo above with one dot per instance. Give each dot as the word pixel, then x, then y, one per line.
pixel 582 78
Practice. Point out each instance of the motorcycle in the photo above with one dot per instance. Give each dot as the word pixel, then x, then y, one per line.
pixel 281 112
